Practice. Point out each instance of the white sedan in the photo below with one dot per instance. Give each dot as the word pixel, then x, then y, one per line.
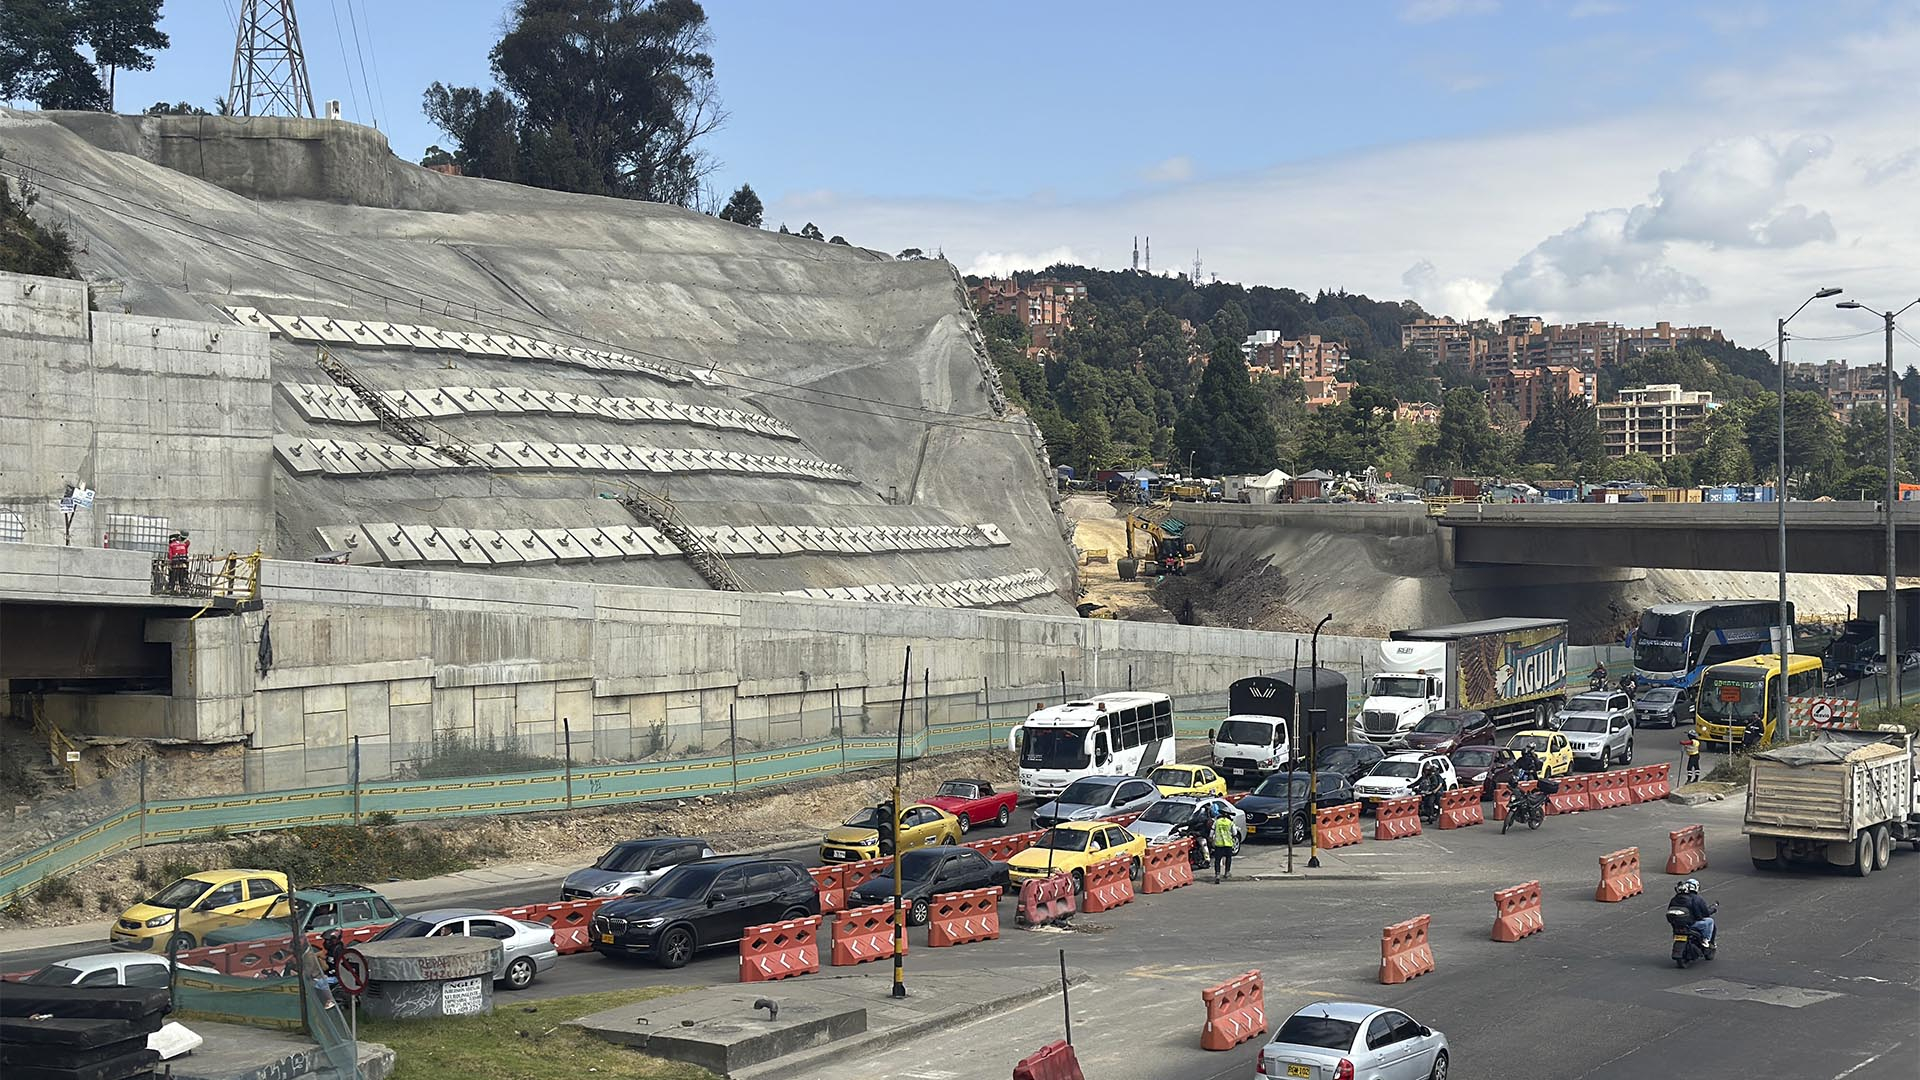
pixel 1346 1040
pixel 110 969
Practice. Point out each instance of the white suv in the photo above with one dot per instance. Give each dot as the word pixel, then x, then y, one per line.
pixel 1394 777
pixel 1599 727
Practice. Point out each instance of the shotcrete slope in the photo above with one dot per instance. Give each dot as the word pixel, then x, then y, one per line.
pixel 869 361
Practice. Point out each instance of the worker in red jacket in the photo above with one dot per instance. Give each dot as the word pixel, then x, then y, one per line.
pixel 177 545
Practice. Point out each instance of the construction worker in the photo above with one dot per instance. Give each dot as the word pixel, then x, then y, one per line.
pixel 177 545
pixel 1222 844
pixel 1690 746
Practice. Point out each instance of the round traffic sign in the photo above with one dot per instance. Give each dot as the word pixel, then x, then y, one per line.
pixel 1822 711
pixel 352 971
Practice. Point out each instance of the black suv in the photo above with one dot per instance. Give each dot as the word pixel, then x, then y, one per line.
pixel 1268 806
pixel 701 904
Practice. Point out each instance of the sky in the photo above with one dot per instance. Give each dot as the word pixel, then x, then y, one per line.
pixel 1625 160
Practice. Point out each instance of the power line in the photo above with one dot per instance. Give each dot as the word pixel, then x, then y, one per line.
pixel 373 54
pixel 340 39
pixel 354 22
pixel 357 278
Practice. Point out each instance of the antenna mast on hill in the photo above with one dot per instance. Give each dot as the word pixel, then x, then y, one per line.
pixel 1136 254
pixel 1149 256
pixel 269 69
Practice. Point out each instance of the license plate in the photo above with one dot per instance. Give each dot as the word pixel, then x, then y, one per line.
pixel 606 939
pixel 1300 1070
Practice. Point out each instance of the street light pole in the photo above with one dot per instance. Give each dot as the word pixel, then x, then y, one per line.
pixel 1892 497
pixel 1313 753
pixel 1780 500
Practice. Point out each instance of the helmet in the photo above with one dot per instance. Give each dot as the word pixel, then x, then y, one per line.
pixel 1691 885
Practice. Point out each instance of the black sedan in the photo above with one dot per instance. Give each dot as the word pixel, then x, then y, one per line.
pixel 930 870
pixel 1285 796
pixel 1353 761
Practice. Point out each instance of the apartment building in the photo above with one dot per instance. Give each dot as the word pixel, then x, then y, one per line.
pixel 1666 337
pixel 1652 419
pixel 1529 389
pixel 1324 390
pixel 1308 356
pixel 1847 387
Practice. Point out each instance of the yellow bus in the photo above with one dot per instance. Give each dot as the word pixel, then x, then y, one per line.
pixel 1738 691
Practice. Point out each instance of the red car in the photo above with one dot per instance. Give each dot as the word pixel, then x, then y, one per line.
pixel 1447 730
pixel 974 800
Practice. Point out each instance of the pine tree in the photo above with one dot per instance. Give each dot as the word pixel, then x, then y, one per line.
pixel 743 208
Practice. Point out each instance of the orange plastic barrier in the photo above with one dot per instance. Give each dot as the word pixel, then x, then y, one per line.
pixel 1123 820
pixel 780 950
pixel 1236 1012
pixel 1002 848
pixel 1619 876
pixel 1337 827
pixel 1517 912
pixel 1168 866
pixel 1640 783
pixel 962 918
pixel 1461 807
pixel 1600 791
pixel 830 885
pixel 862 934
pixel 1046 901
pixel 569 919
pixel 1571 798
pixel 1054 1061
pixel 1659 784
pixel 1396 819
pixel 1689 850
pixel 1109 884
pixel 1500 792
pixel 1404 950
pixel 857 874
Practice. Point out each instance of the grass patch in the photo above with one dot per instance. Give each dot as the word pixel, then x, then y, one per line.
pixel 1906 717
pixel 358 853
pixel 523 1041
pixel 456 755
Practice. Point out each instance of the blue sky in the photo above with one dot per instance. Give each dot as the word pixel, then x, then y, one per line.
pixel 1625 159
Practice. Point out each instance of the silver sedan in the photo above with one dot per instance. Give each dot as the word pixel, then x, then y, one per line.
pixel 1164 821
pixel 1333 1039
pixel 526 947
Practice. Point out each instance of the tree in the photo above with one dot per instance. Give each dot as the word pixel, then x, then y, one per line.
pixel 1813 442
pixel 121 34
pixel 434 156
pixel 1092 447
pixel 1466 443
pixel 743 208
pixel 838 239
pixel 1565 432
pixel 608 97
pixel 40 58
pixel 1225 428
pixel 26 246
pixel 812 232
pixel 910 254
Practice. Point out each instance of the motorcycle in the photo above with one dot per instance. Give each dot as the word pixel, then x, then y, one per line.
pixel 1200 854
pixel 1688 945
pixel 1527 807
pixel 1430 807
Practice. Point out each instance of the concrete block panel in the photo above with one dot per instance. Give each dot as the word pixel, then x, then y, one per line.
pixel 562 544
pixel 399 401
pixel 675 412
pixel 330 329
pixel 465 548
pixel 659 544
pixel 839 593
pixel 392 543
pixel 534 399
pixel 350 539
pixel 539 350
pixel 333 457
pixel 439 340
pixel 509 347
pixel 435 401
pixel 426 540
pixel 600 456
pixel 500 399
pixel 595 543
pixel 366 709
pixel 653 408
pixel 565 404
pixel 382 457
pixel 496 547
pixel 301 397
pixel 627 539
pixel 362 334
pixel 993 534
pixel 552 456
pixel 467 399
pixel 250 318
pixel 296 456
pixel 295 328
pixel 786 544
pixel 529 547
pixel 389 335
pixel 759 542
pixel 577 455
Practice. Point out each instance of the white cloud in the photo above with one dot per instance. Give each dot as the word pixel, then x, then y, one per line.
pixel 1731 193
pixel 1002 263
pixel 1461 297
pixel 1171 171
pixel 1426 11
pixel 1879 170
pixel 1596 264
pixel 1595 9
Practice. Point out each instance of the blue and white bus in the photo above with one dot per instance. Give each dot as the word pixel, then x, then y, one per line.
pixel 1676 642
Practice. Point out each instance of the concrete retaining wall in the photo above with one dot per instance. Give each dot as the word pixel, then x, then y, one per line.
pixel 161 417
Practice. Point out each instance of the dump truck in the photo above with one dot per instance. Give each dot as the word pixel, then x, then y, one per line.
pixel 1514 670
pixel 1843 799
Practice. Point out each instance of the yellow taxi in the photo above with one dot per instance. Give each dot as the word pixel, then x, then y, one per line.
pixel 869 835
pixel 1072 846
pixel 1551 747
pixel 1188 780
pixel 185 910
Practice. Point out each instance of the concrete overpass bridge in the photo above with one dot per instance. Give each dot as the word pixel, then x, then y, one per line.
pixel 1822 538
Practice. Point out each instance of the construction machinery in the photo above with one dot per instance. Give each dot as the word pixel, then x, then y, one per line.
pixel 1157 542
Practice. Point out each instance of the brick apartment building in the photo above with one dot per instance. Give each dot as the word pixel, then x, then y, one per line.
pixel 1529 389
pixel 1045 308
pixel 1324 390
pixel 1847 387
pixel 1653 419
pixel 1306 357
pixel 1487 350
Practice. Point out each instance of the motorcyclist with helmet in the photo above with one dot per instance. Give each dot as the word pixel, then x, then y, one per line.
pixel 1689 910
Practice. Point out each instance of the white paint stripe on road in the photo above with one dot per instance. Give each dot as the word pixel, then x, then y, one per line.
pixel 1869 1061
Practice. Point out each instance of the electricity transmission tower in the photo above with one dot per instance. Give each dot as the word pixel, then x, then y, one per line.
pixel 269 70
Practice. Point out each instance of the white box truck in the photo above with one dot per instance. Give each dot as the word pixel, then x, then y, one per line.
pixel 1514 670
pixel 1844 799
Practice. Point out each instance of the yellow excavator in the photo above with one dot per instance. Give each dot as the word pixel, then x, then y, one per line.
pixel 1156 543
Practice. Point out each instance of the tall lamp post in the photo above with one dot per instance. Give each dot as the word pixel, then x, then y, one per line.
pixel 1313 754
pixel 1892 641
pixel 1780 497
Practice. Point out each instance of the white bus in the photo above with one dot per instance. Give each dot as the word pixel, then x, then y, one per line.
pixel 1677 642
pixel 1108 735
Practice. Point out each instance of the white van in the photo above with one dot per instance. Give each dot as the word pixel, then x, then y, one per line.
pixel 1251 746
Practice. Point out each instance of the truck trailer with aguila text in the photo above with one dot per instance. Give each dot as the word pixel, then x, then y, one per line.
pixel 1513 670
